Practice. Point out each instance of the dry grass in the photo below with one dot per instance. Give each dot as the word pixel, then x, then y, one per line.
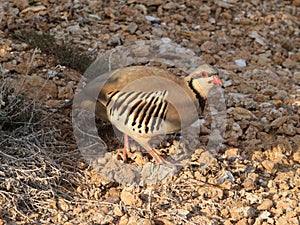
pixel 32 176
pixel 63 53
pixel 30 172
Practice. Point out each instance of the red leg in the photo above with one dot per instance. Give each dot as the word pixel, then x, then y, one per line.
pixel 157 157
pixel 125 150
pixel 126 153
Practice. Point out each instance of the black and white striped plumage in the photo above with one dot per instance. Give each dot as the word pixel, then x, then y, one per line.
pixel 138 113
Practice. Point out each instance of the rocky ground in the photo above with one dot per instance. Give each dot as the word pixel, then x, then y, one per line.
pixel 254 178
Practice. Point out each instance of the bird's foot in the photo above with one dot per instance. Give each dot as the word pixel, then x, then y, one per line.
pixel 158 158
pixel 124 153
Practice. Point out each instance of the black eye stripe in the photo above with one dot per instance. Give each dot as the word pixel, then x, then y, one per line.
pixel 201 100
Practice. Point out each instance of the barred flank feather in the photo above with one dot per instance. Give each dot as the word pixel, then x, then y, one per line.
pixel 140 112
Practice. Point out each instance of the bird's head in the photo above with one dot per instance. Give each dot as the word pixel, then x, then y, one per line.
pixel 202 80
pixel 204 84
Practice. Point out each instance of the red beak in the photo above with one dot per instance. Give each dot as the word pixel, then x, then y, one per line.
pixel 216 80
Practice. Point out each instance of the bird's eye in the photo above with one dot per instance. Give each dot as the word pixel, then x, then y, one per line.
pixel 204 74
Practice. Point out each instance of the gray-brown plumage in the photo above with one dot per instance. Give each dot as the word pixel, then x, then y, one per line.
pixel 143 102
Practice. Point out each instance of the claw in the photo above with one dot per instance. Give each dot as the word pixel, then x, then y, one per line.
pixel 157 157
pixel 124 152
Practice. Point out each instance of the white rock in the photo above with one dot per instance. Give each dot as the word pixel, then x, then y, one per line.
pixel 257 37
pixel 166 40
pixel 212 20
pixel 152 19
pixel 240 62
pixel 227 83
pixel 197 27
pixel 264 215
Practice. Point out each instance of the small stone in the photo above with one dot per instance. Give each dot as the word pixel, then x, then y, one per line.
pixel 178 17
pixel 123 220
pixel 270 166
pixel 287 129
pixel 74 29
pixel 264 215
pixel 226 176
pixel 66 92
pixel 130 199
pixel 252 198
pixel 238 213
pixel 205 157
pixel 255 2
pixel 157 31
pixel 209 47
pixel 152 19
pixel 243 221
pixel 276 154
pixel 290 64
pixel 235 131
pixel 212 20
pixel 241 113
pixel 118 211
pixel 287 44
pixel 257 37
pixel 132 27
pixel 265 205
pixel 240 62
pixel 280 95
pixel 228 16
pixel 141 51
pixel 4 54
pixel 142 8
pixel 227 83
pixel 249 184
pixel 63 205
pixel 164 221
pixel 297 79
pixel 211 193
pixel 285 220
pixel 111 12
pixel 61 218
pixel 228 222
pixel 232 153
pixel 296 3
pixel 113 195
pixel 245 88
pixel 279 121
pixel 183 212
pixel 187 33
pixel 170 5
pixel 225 212
pixel 21 4
pixel 251 132
pixel 114 27
pixel 296 156
pixel 135 220
pixel 116 40
pixel 33 9
pixel 223 4
pixel 154 2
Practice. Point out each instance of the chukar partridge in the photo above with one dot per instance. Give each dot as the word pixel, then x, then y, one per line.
pixel 143 102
